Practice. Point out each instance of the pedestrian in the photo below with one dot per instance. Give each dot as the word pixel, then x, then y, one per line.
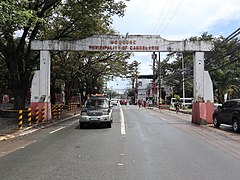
pixel 177 107
pixel 139 103
pixel 144 103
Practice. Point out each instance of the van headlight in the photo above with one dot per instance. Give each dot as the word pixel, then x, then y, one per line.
pixel 105 112
pixel 83 113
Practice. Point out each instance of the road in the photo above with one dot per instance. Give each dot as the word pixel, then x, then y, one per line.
pixel 142 144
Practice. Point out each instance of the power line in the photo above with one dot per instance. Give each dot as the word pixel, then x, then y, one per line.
pixel 172 17
pixel 226 64
pixel 234 34
pixel 227 53
pixel 160 17
pixel 230 37
pixel 165 17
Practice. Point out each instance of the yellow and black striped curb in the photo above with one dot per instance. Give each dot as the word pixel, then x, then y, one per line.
pixel 32 129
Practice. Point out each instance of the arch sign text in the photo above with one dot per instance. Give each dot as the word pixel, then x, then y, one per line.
pixel 130 43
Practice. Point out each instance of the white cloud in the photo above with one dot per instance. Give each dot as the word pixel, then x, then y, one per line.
pixel 176 19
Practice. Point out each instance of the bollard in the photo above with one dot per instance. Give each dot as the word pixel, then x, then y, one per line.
pixel 43 114
pixel 20 117
pixel 58 111
pixel 29 117
pixel 36 114
pixel 75 109
pixel 54 111
pixel 61 107
pixel 69 106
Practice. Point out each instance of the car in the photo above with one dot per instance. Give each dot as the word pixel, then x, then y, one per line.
pixel 228 113
pixel 114 102
pixel 123 102
pixel 96 110
pixel 216 105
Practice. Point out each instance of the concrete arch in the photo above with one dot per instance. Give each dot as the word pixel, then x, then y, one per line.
pixel 130 43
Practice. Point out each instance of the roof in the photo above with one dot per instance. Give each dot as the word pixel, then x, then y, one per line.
pixel 98 95
pixel 233 100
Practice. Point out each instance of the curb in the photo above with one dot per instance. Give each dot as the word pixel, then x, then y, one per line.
pixel 32 129
pixel 207 126
pixel 180 111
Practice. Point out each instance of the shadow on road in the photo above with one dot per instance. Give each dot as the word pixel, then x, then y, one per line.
pixel 93 126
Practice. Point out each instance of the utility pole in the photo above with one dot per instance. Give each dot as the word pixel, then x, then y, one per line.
pixel 159 80
pixel 183 69
pixel 154 57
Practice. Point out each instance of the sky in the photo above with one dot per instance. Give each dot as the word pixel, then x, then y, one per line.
pixel 174 20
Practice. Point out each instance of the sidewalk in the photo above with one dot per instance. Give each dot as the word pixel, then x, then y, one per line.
pixel 9 126
pixel 185 111
pixel 186 115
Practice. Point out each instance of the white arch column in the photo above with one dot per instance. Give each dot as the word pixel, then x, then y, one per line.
pixel 40 96
pixel 203 92
pixel 198 75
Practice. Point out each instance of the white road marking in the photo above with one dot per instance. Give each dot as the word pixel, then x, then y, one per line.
pixel 57 130
pixel 73 122
pixel 164 119
pixel 123 130
pixel 27 132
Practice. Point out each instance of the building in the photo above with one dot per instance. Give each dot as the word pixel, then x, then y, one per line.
pixel 149 90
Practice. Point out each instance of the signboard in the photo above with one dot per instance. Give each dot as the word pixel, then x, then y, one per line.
pixel 118 43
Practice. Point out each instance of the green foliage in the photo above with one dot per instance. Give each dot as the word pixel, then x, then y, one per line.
pixel 22 21
pixel 17 15
pixel 222 63
pixel 87 72
pixel 77 20
pixel 4 78
pixel 133 68
pixel 177 98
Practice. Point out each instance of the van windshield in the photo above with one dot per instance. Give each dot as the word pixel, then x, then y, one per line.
pixel 96 103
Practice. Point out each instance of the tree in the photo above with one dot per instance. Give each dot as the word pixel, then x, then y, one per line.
pixel 133 71
pixel 23 21
pixel 86 72
pixel 171 68
pixel 223 65
pixel 19 25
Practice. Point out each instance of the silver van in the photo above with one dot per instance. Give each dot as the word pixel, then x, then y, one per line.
pixel 96 110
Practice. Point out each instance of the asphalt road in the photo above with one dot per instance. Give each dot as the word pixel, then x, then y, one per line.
pixel 141 145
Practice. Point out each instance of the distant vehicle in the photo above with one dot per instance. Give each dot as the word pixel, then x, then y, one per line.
pixel 123 102
pixel 228 113
pixel 187 102
pixel 216 105
pixel 96 110
pixel 114 102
